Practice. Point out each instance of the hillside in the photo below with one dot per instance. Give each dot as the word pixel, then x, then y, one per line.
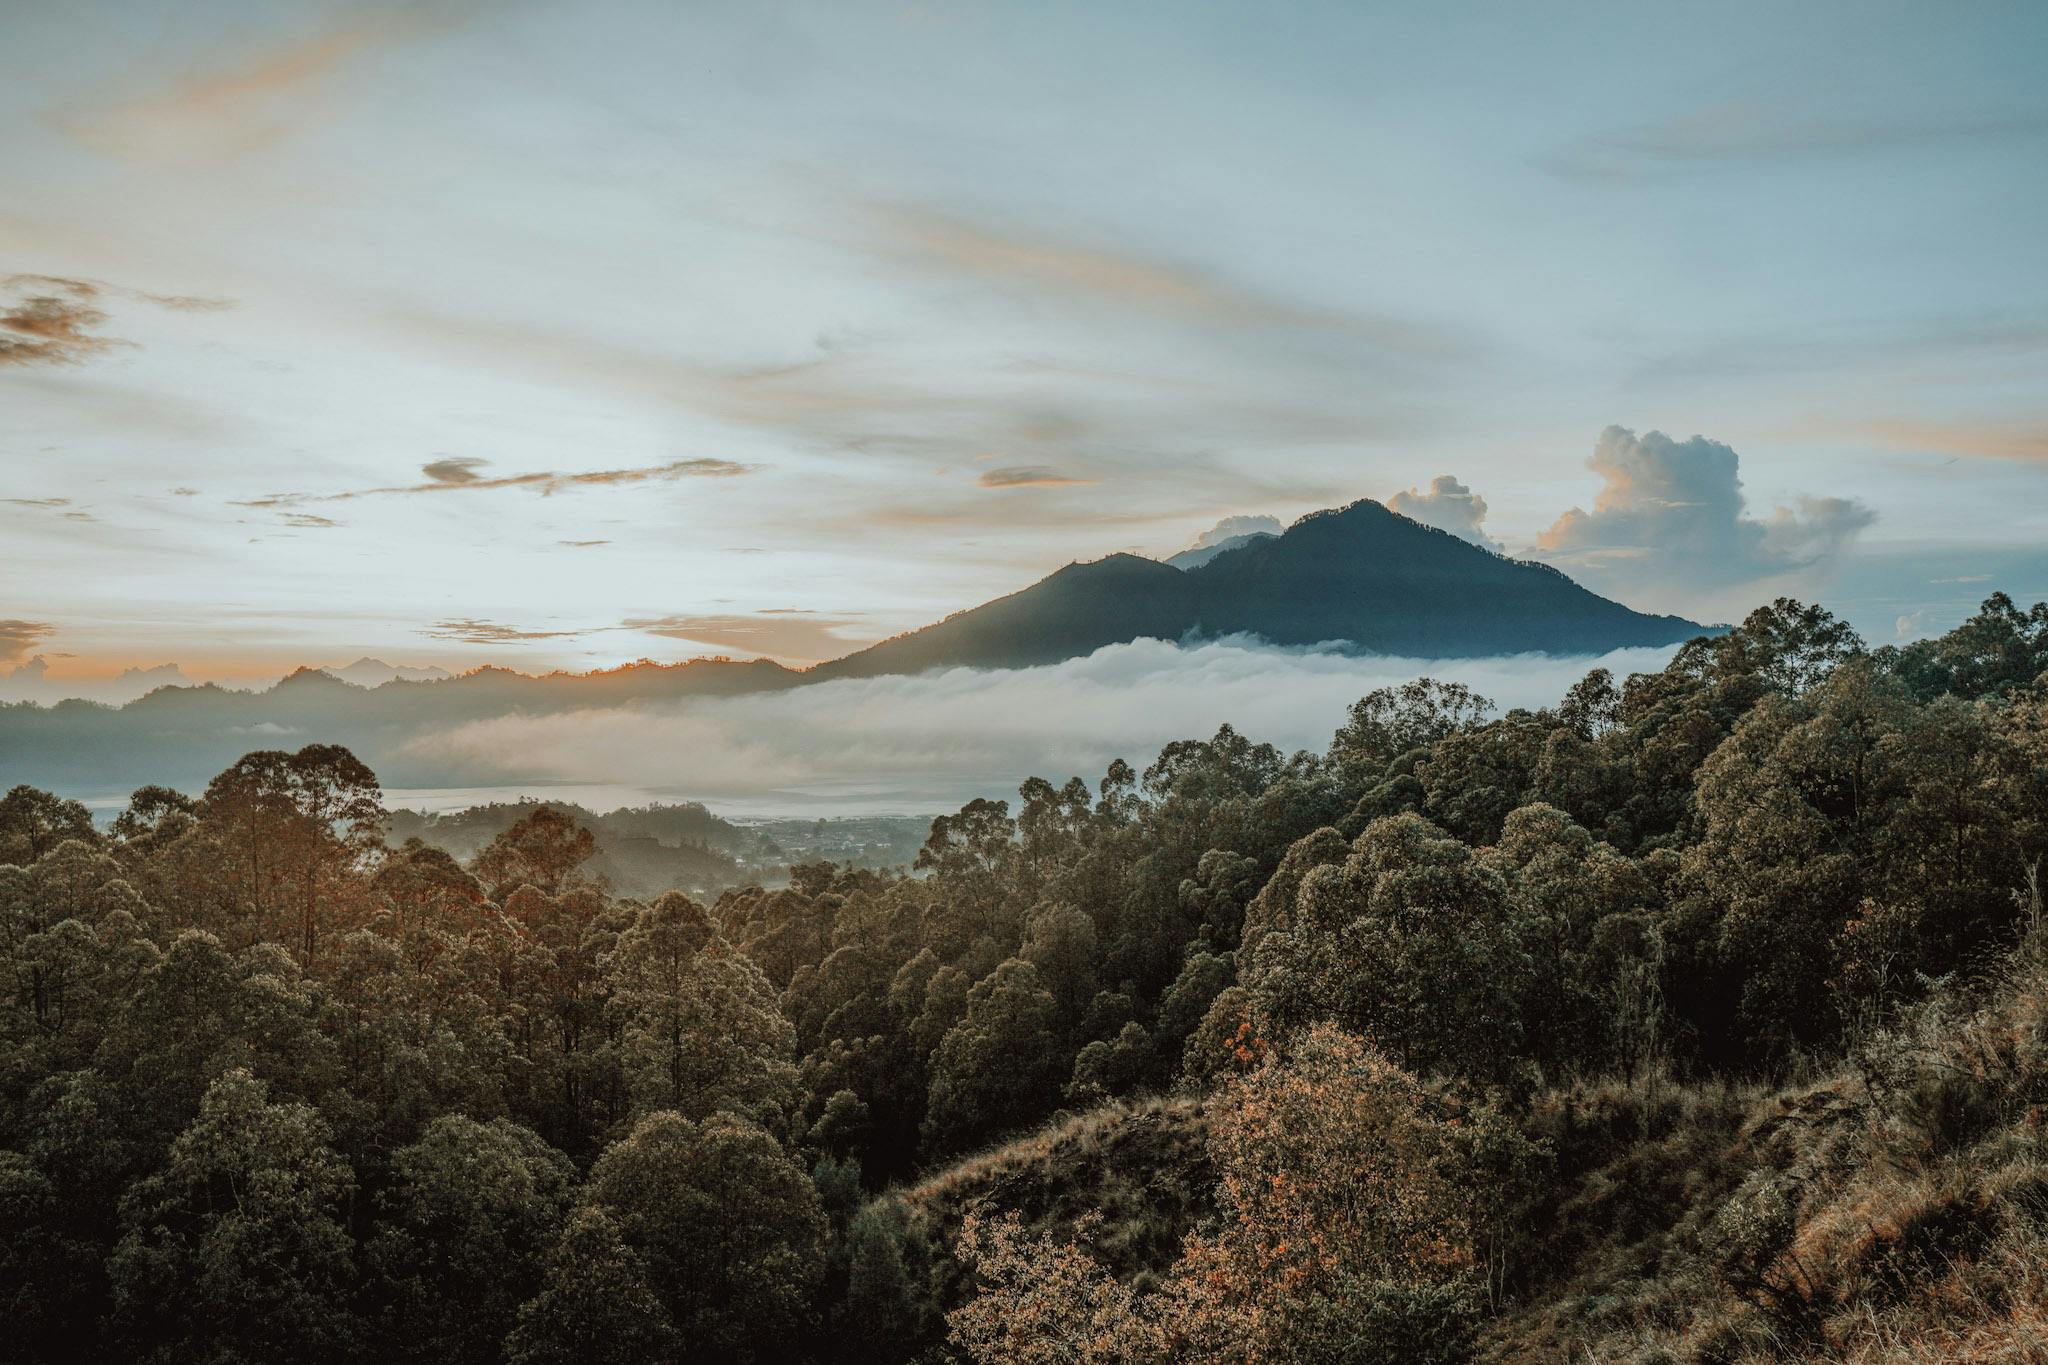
pixel 1361 575
pixel 1892 1211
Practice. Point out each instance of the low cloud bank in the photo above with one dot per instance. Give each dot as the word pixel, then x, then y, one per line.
pixel 932 741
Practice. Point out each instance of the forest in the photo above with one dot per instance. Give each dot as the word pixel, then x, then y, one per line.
pixel 1701 1016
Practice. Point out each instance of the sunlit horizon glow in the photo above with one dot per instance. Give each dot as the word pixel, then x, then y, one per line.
pixel 556 337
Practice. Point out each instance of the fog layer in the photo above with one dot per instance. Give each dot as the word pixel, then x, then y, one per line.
pixel 939 738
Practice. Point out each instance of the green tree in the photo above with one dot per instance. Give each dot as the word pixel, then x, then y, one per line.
pixel 463 1236
pixel 294 828
pixel 32 822
pixel 703 1030
pixel 595 1306
pixel 545 850
pixel 237 1251
pixel 728 1225
pixel 1411 940
pixel 998 1069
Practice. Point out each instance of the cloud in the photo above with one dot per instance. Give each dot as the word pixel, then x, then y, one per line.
pixel 1448 506
pixel 1725 134
pixel 547 482
pixel 933 741
pixel 17 638
pixel 47 329
pixel 453 469
pixel 475 632
pixel 55 320
pixel 241 102
pixel 783 633
pixel 1977 440
pixel 1029 476
pixel 1962 342
pixel 1232 527
pixel 1130 281
pixel 1673 513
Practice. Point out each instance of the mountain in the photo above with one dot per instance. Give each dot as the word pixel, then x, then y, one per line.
pixel 184 735
pixel 368 672
pixel 1362 575
pixel 1202 554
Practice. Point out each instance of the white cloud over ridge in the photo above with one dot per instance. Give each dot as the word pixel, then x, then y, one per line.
pixel 1449 506
pixel 1673 512
pixel 1230 528
pixel 933 741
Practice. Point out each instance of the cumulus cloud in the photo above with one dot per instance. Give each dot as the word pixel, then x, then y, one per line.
pixel 17 638
pixel 1673 512
pixel 1448 506
pixel 932 741
pixel 1232 527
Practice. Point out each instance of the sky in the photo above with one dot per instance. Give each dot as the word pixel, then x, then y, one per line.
pixel 561 335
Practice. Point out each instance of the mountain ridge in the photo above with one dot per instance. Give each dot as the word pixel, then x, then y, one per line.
pixel 1360 574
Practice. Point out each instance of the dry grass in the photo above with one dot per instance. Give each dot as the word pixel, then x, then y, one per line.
pixel 1895 1211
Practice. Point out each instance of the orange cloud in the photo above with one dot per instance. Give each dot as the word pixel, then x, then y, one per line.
pixel 54 320
pixel 1128 280
pixel 1979 440
pixel 1029 476
pixel 50 329
pixel 17 638
pixel 549 482
pixel 784 633
pixel 473 632
pixel 241 104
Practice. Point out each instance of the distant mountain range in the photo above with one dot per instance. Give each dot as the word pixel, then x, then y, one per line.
pixel 367 672
pixel 1358 577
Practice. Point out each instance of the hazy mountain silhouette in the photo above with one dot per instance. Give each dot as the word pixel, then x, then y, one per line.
pixel 1361 575
pixel 1373 579
pixel 368 672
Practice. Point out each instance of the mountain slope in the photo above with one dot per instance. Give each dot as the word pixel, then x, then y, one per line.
pixel 1358 574
pixel 1196 558
pixel 1072 612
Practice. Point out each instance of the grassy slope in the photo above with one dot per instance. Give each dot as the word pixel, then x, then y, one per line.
pixel 1894 1211
pixel 1142 1164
